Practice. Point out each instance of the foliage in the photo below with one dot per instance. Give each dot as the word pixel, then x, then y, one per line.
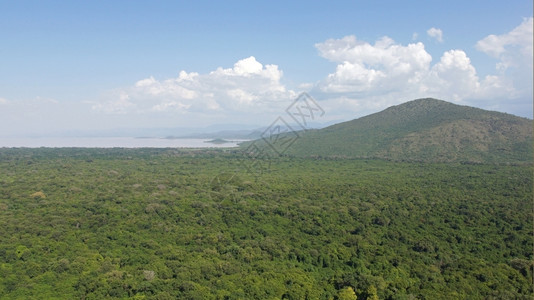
pixel 167 224
pixel 346 294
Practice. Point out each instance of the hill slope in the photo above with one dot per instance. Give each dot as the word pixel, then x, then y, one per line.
pixel 425 130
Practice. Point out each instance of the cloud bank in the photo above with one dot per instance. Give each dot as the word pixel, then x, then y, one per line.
pixel 367 77
pixel 394 72
pixel 246 87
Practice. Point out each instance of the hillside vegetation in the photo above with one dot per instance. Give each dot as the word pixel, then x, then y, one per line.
pixel 425 130
pixel 169 224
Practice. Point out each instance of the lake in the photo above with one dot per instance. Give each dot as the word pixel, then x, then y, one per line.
pixel 110 142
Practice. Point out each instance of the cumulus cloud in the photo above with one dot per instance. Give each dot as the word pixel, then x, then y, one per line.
pixel 246 86
pixel 455 78
pixel 454 75
pixel 363 67
pixel 436 34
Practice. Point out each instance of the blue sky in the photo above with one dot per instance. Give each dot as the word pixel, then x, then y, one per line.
pixel 99 65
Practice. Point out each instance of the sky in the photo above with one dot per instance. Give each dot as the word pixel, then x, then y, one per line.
pixel 97 66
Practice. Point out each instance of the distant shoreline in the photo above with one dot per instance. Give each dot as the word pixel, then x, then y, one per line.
pixel 114 142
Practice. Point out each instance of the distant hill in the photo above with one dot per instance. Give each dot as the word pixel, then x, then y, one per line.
pixel 424 130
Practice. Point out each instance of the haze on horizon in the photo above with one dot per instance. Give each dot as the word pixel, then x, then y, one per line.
pixel 85 66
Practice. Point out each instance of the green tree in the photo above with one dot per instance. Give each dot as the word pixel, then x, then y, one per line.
pixel 372 293
pixel 347 294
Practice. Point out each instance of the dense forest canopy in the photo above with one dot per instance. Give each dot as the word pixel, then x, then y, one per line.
pixel 167 224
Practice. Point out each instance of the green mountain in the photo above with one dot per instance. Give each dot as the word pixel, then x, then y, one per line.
pixel 424 130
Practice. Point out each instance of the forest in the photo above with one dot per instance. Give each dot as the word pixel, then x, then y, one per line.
pixel 210 224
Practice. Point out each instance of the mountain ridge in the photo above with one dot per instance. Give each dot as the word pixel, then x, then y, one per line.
pixel 424 129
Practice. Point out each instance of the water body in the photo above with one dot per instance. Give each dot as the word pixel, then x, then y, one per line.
pixel 111 142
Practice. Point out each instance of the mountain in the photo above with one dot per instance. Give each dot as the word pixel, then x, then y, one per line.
pixel 424 130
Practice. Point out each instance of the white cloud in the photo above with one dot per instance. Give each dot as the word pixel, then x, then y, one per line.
pixel 435 33
pixel 499 45
pixel 244 67
pixel 455 78
pixel 362 67
pixel 246 87
pixel 3 101
pixel 513 49
pixel 453 74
